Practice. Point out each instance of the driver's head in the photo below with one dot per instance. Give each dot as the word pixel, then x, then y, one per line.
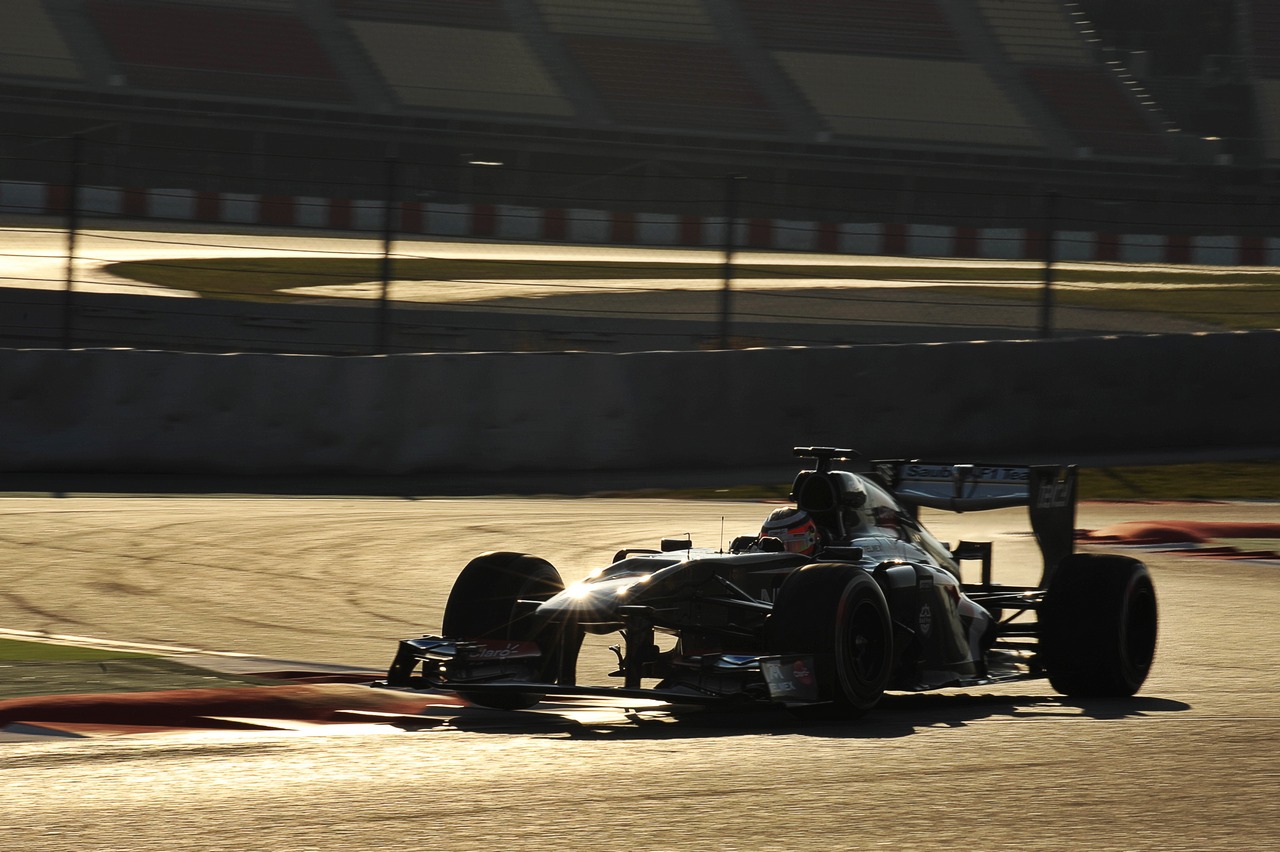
pixel 794 528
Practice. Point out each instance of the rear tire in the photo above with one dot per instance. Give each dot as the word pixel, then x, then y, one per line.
pixel 1098 626
pixel 482 605
pixel 837 614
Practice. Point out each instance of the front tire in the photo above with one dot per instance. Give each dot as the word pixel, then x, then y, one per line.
pixel 837 614
pixel 1098 626
pixel 482 605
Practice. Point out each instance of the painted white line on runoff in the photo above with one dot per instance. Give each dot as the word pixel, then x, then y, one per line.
pixel 113 644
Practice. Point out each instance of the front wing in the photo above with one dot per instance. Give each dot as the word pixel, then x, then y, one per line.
pixel 496 668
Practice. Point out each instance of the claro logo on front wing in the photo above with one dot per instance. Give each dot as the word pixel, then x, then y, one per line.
pixel 500 650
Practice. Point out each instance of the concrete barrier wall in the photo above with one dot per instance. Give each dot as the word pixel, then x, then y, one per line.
pixel 127 410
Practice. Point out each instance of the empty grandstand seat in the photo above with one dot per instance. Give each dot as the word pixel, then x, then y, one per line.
pixel 1091 106
pixel 1263 25
pixel 672 84
pixel 476 14
pixel 1036 31
pixel 908 99
pixel 30 44
pixel 1266 95
pixel 664 20
pixel 459 68
pixel 219 50
pixel 884 27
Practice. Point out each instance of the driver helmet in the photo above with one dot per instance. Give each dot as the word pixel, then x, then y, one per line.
pixel 794 528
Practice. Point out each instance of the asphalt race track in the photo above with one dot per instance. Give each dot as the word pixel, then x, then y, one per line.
pixel 1190 764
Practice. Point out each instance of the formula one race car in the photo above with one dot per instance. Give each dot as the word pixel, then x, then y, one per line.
pixel 852 597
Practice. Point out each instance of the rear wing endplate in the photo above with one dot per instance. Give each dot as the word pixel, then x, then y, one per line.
pixel 1048 492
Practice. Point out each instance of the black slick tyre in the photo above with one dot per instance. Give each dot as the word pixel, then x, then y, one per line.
pixel 483 605
pixel 1098 626
pixel 837 614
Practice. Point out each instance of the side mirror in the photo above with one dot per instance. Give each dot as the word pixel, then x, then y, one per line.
pixel 769 544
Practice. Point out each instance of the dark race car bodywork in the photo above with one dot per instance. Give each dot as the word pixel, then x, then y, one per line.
pixel 880 606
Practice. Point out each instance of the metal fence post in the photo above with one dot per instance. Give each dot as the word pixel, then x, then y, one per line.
pixel 73 226
pixel 1050 238
pixel 388 236
pixel 726 293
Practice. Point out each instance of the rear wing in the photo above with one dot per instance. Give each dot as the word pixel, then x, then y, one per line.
pixel 1048 492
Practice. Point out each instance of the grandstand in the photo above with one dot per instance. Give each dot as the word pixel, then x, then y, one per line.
pixel 887 70
pixel 216 49
pixel 1056 56
pixel 31 46
pixel 874 27
pixel 1263 25
pixel 471 14
pixel 908 99
pixel 1036 32
pixel 832 105
pixel 460 69
pixel 645 83
pixel 659 20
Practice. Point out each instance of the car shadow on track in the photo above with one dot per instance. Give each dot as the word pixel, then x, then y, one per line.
pixel 896 716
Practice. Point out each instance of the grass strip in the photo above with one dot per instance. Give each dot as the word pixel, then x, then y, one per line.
pixel 1231 298
pixel 1234 307
pixel 44 668
pixel 1258 480
pixel 81 677
pixel 16 650
pixel 274 273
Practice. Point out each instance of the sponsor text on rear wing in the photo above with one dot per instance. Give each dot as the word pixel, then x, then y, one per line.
pixel 1048 492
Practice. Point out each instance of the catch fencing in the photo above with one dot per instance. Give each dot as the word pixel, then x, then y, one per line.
pixel 236 250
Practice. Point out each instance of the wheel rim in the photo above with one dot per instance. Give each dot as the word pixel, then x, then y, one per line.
pixel 865 648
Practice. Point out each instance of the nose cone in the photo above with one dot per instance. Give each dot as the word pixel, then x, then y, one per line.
pixel 591 601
